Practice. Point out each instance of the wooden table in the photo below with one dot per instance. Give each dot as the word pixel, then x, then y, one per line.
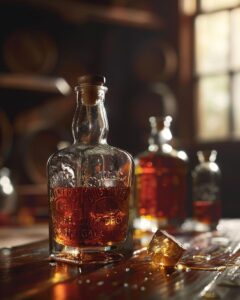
pixel 26 273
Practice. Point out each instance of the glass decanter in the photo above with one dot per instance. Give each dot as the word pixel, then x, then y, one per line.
pixel 161 180
pixel 89 186
pixel 206 191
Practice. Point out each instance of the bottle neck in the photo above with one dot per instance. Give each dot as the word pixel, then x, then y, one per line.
pixel 160 136
pixel 90 124
pixel 207 156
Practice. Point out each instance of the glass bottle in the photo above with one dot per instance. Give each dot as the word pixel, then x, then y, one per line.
pixel 161 180
pixel 206 190
pixel 8 198
pixel 89 186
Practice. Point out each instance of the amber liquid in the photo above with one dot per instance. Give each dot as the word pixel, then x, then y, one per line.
pixel 161 187
pixel 85 217
pixel 207 212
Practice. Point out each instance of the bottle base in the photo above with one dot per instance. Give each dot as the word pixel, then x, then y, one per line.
pixel 82 255
pixel 152 224
pixel 97 255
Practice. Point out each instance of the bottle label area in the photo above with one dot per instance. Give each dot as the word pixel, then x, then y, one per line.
pixel 89 216
pixel 161 196
pixel 207 212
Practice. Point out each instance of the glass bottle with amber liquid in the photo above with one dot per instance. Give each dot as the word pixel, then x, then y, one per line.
pixel 161 180
pixel 89 186
pixel 206 178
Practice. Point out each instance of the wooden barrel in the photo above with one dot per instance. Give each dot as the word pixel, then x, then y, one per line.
pixel 155 61
pixel 36 147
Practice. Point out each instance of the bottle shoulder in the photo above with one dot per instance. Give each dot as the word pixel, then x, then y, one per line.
pixel 206 170
pixel 172 155
pixel 81 165
pixel 210 167
pixel 81 151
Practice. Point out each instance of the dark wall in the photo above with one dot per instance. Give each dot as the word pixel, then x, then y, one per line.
pixel 131 57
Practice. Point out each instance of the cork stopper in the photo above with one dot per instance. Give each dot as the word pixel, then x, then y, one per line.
pixel 92 80
pixel 92 89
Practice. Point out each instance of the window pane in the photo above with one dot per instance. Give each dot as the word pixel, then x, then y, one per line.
pixel 235 39
pixel 236 104
pixel 208 5
pixel 213 107
pixel 189 7
pixel 212 42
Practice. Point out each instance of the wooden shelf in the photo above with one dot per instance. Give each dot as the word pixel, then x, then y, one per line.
pixel 75 12
pixel 35 83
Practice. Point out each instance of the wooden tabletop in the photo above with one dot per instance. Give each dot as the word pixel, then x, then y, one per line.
pixel 26 273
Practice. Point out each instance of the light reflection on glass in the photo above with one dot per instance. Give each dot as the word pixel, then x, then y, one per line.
pixel 183 155
pixel 6 185
pixel 213 107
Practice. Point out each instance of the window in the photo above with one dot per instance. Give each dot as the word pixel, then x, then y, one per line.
pixel 217 69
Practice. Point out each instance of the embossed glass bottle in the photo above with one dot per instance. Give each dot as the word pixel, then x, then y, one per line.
pixel 206 191
pixel 161 180
pixel 89 186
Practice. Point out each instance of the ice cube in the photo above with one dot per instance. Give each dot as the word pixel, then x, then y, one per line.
pixel 164 249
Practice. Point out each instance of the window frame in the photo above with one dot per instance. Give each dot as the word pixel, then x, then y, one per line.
pixel 196 77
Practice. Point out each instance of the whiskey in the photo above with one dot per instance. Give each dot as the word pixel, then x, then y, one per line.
pixel 161 187
pixel 83 217
pixel 161 180
pixel 89 187
pixel 207 212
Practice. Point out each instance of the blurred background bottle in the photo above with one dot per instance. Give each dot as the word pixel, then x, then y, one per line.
pixel 8 199
pixel 206 190
pixel 161 180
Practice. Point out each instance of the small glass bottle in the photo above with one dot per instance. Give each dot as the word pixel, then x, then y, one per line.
pixel 206 190
pixel 161 180
pixel 89 186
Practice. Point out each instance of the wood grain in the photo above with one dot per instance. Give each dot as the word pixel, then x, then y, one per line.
pixel 26 273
